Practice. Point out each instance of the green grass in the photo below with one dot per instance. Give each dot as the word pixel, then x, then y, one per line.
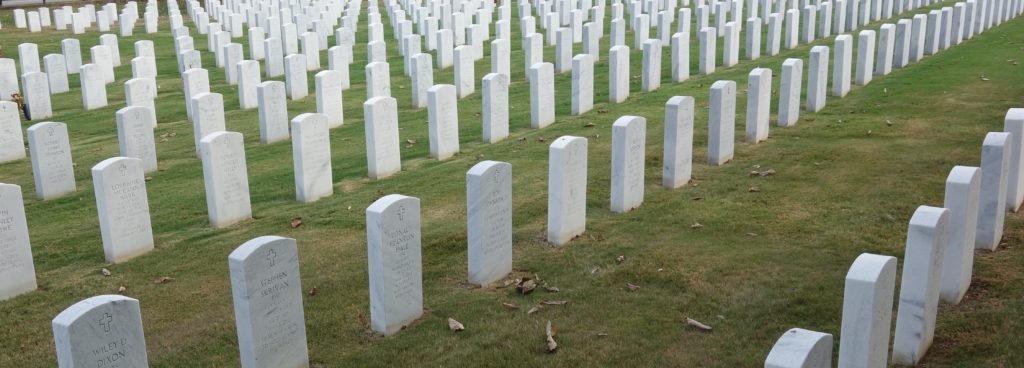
pixel 763 262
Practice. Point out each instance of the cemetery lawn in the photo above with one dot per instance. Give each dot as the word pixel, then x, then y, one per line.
pixel 771 252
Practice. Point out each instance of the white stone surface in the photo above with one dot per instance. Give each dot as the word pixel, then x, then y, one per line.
pixel 382 140
pixel 50 150
pixel 618 74
pixel 865 57
pixel 267 294
pixel 443 121
pixel 329 97
pixel 274 57
pixel 102 58
pixel 103 331
pixel 1013 123
pixel 123 208
pixel 273 111
pixel 680 57
pixel 721 122
pixel 678 147
pixel 295 79
pixel 495 107
pixel 209 116
pixel 226 178
pixel 963 186
pixel 885 52
pixel 582 84
pixel 842 63
pixel 708 42
pixel 94 89
pixel 8 79
pixel 311 157
pixel 17 272
pixel 232 55
pixel 927 239
pixel 378 80
pixel 394 257
pixel 650 77
pixel 135 135
pixel 542 95
pixel 995 168
pixel 628 153
pixel 28 58
pixel 36 95
pixel 789 92
pixel 800 348
pixel 867 312
pixel 730 44
pixel 567 189
pixel 901 48
pixel 465 76
pixel 56 73
pixel 489 221
pixel 12 143
pixel 248 82
pixel 759 99
pixel 817 78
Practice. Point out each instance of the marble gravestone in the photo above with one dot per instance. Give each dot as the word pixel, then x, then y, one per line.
pixel 995 165
pixel 567 189
pixel 328 97
pixel 628 150
pixel 142 92
pixel 759 94
pixel 800 348
pixel 582 84
pixel 248 81
pixel 267 294
pixel 311 157
pixel 789 92
pixel 8 79
pixel 226 178
pixel 94 89
pixel 12 143
pixel 618 74
pixel 1013 123
pixel 927 238
pixel 443 121
pixel 394 257
pixel 72 50
pixel 56 73
pixel 867 312
pixel 678 154
pixel 489 221
pixel 722 122
pixel 378 80
pixel 495 107
pixel 295 79
pixel 817 78
pixel 17 272
pixel 542 95
pixel 273 111
pixel 382 141
pixel 208 115
pixel 104 331
pixel 135 135
pixel 123 208
pixel 52 170
pixel 963 186
pixel 36 95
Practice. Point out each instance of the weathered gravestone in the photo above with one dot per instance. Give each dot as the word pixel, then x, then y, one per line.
pixel 489 221
pixel 94 89
pixel 142 92
pixel 103 331
pixel 542 95
pixel 995 166
pixel 567 189
pixel 248 81
pixel 56 73
pixel 17 272
pixel 226 178
pixel 311 157
pixel 759 94
pixel 295 77
pixel 328 97
pixel 123 208
pixel 208 116
pixel 628 151
pixel 37 95
pixel 8 79
pixel 52 169
pixel 789 92
pixel 393 247
pixel 927 238
pixel 267 294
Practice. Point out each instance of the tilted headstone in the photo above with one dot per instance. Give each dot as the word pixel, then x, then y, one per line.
pixel 963 186
pixel 394 257
pixel 867 312
pixel 567 189
pixel 311 157
pixel 995 168
pixel 17 272
pixel 226 178
pixel 267 294
pixel 104 331
pixel 489 221
pixel 123 208
pixel 50 150
pixel 927 238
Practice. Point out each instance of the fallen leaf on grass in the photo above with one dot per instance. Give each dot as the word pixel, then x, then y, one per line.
pixel 602 334
pixel 105 272
pixel 521 139
pixel 410 141
pixel 751 234
pixel 588 125
pixel 533 310
pixel 696 324
pixel 754 189
pixel 313 291
pixel 552 345
pixel 888 122
pixel 631 287
pixel 509 305
pixel 526 286
pixel 553 302
pixel 620 259
pixel 455 325
pixel 121 289
pixel 540 139
pixel 163 280
pixel 550 331
pixel 296 222
pixel 551 289
pixel 696 225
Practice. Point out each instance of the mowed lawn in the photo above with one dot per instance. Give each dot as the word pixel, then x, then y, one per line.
pixel 848 179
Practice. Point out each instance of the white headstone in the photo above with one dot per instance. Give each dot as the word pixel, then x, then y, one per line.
pixel 843 62
pixel 789 92
pixel 927 238
pixel 495 107
pixel 295 77
pixel 209 116
pixel 582 84
pixel 800 348
pixel 678 154
pixel 708 39
pixel 489 221
pixel 123 208
pixel 50 151
pixel 56 73
pixel 542 95
pixel 102 58
pixel 37 95
pixel 650 79
pixel 865 57
pixel 817 78
pixel 267 293
pixel 135 135
pixel 567 189
pixel 1013 123
pixel 12 143
pixel 378 80
pixel 382 141
pixel 443 115
pixel 103 331
pixel 884 54
pixel 28 58
pixel 273 111
pixel 93 85
pixel 680 57
pixel 274 57
pixel 110 41
pixel 226 178
pixel 393 247
pixel 248 81
pixel 232 55
pixel 867 312
pixel 628 153
pixel 17 272
pixel 721 122
pixel 995 168
pixel 618 74
pixel 8 79
pixel 759 95
pixel 328 97
pixel 963 186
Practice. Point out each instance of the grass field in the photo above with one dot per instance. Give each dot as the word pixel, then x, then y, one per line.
pixel 846 183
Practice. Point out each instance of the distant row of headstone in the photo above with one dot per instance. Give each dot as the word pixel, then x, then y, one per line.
pixel 265 270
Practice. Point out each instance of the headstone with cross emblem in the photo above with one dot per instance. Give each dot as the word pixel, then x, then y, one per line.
pixel 267 294
pixel 17 273
pixel 12 143
pixel 52 169
pixel 8 79
pixel 135 135
pixel 226 178
pixel 123 208
pixel 489 221
pixel 396 278
pixel 104 331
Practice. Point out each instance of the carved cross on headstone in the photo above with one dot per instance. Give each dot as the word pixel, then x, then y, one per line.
pixel 272 257
pixel 401 213
pixel 123 169
pixel 106 321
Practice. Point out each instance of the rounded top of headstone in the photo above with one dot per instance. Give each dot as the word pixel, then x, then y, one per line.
pixel 84 307
pixel 482 167
pixel 724 84
pixel 442 89
pixel 122 164
pixel 567 140
pixel 247 249
pixel 380 100
pixel 677 100
pixel 869 267
pixel 213 138
pixel 628 121
pixel 964 174
pixel 50 127
pixel 993 139
pixel 499 77
pixel 386 202
pixel 310 118
pixel 928 216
